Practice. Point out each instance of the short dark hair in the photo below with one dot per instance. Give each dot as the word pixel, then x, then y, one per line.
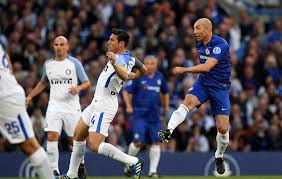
pixel 122 35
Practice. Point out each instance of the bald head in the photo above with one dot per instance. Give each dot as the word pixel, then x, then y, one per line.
pixel 61 39
pixel 203 30
pixel 61 47
pixel 205 22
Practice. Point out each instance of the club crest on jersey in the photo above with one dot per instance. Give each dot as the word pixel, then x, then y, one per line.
pixel 216 50
pixel 68 71
pixel 207 51
pixel 159 82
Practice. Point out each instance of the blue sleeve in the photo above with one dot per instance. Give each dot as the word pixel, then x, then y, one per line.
pixel 80 72
pixel 164 86
pixel 130 86
pixel 120 60
pixel 218 51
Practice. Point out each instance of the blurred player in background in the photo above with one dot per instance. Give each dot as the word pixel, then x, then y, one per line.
pixel 96 118
pixel 67 78
pixel 213 84
pixel 15 123
pixel 143 98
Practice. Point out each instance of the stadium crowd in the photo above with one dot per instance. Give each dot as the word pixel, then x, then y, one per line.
pixel 164 29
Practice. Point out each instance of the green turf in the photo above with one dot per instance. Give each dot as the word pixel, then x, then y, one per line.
pixel 183 177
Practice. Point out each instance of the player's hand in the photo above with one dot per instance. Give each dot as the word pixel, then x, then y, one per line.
pixel 129 110
pixel 112 57
pixel 178 70
pixel 74 90
pixel 28 101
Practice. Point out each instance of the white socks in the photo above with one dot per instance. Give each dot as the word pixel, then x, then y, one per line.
pixel 132 150
pixel 111 151
pixel 222 141
pixel 39 160
pixel 77 157
pixel 154 155
pixel 53 155
pixel 177 117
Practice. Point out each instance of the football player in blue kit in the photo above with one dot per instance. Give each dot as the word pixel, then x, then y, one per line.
pixel 143 98
pixel 213 84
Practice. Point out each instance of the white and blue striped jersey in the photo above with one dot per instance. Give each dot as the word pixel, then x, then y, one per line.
pixel 8 83
pixel 62 75
pixel 109 83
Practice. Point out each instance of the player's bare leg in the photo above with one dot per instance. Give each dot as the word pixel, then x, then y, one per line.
pixel 53 151
pixel 37 156
pixel 79 147
pixel 97 144
pixel 178 116
pixel 222 140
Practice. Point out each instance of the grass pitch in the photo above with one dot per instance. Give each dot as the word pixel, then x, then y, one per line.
pixel 183 177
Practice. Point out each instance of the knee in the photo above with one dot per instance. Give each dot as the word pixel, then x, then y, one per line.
pixel 29 147
pixel 223 129
pixel 53 136
pixel 138 144
pixel 188 103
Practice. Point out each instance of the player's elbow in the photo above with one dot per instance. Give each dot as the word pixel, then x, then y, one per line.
pixel 87 84
pixel 124 77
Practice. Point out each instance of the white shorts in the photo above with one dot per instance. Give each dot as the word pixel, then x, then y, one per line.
pixel 15 124
pixel 56 121
pixel 99 115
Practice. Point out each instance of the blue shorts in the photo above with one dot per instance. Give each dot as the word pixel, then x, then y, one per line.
pixel 219 98
pixel 146 131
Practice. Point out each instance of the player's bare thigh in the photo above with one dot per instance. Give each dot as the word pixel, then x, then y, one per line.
pixel 222 123
pixel 191 101
pixel 94 141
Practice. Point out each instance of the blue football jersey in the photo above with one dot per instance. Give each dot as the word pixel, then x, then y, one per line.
pixel 146 96
pixel 219 76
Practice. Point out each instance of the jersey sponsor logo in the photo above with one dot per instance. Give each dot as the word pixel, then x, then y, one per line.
pixel 153 88
pixel 216 50
pixel 68 72
pixel 203 57
pixel 231 167
pixel 61 81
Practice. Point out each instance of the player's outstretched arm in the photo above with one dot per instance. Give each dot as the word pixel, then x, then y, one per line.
pixel 38 89
pixel 201 68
